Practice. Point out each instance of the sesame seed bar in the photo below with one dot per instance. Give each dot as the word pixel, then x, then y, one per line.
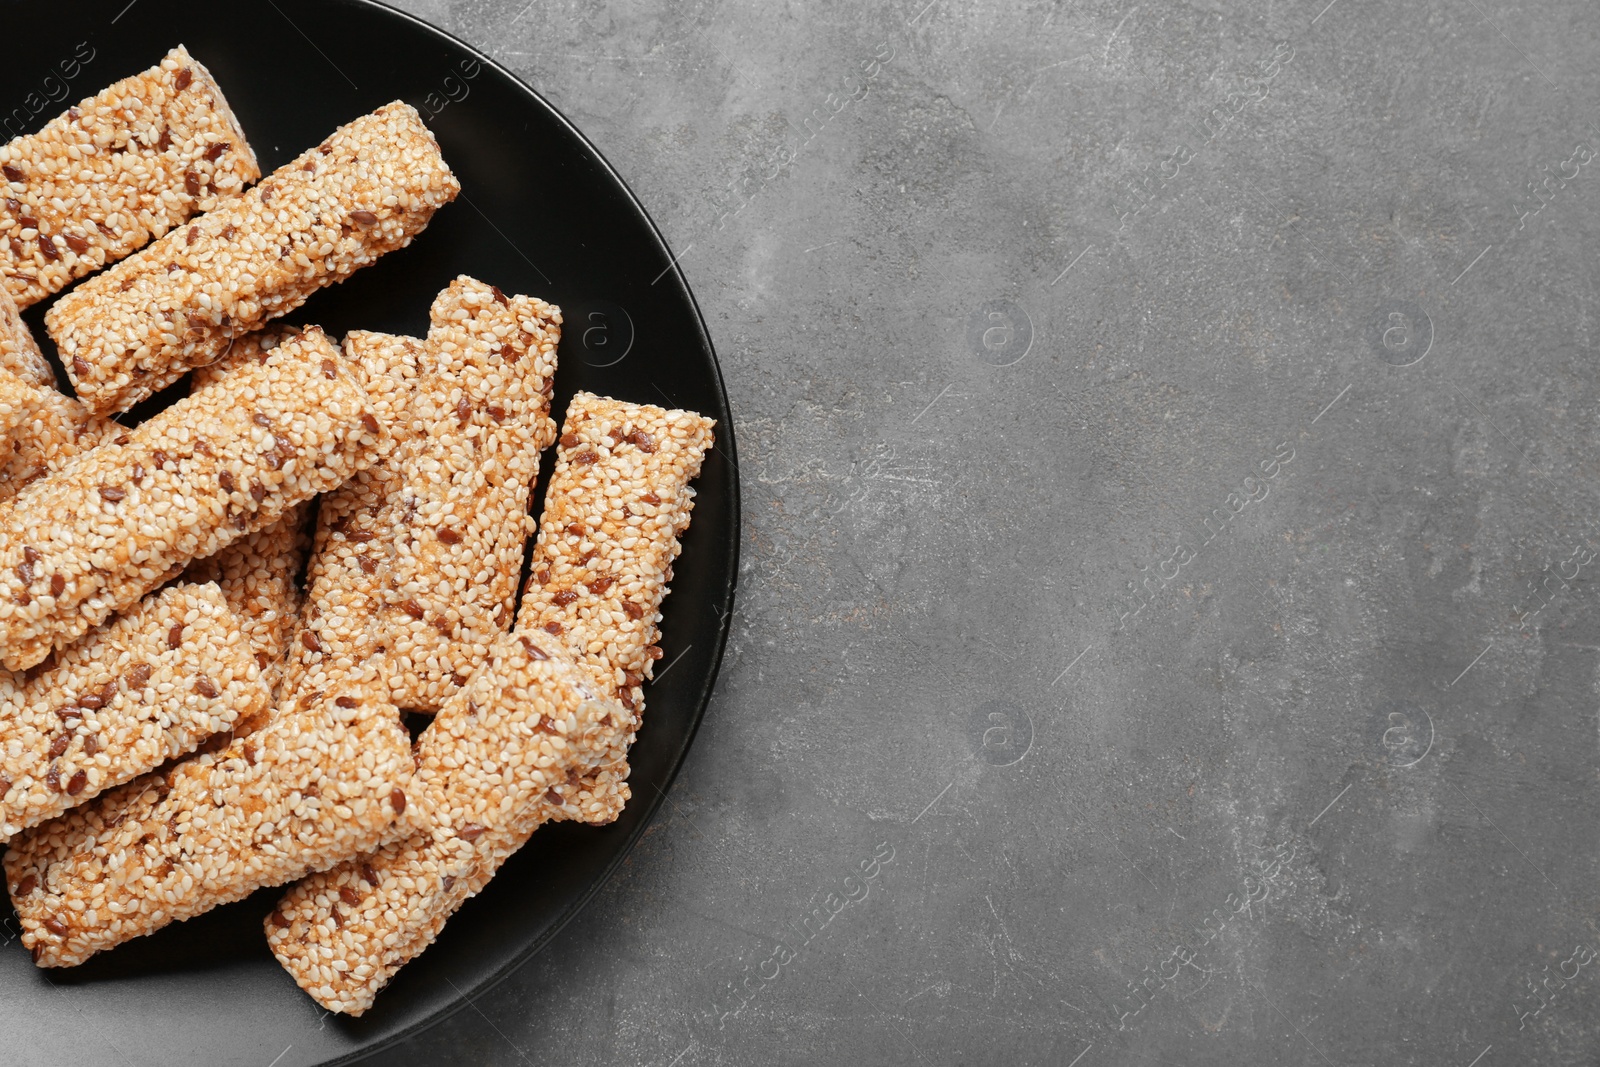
pixel 462 520
pixel 618 500
pixel 115 522
pixel 19 352
pixel 325 780
pixel 116 172
pixel 56 429
pixel 368 189
pixel 417 557
pixel 491 768
pixel 336 635
pixel 144 688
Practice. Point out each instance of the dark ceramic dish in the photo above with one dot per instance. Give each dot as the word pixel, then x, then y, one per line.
pixel 540 213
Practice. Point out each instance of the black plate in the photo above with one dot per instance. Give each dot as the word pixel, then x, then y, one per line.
pixel 541 213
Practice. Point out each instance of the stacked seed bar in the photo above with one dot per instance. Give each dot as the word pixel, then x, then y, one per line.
pixel 417 558
pixel 324 780
pixel 143 689
pixel 19 352
pixel 618 500
pixel 463 522
pixel 368 189
pixel 490 770
pixel 118 521
pixel 114 173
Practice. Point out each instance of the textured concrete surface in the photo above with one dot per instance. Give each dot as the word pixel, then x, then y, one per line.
pixel 1167 631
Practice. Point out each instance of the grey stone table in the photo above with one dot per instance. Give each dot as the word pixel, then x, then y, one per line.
pixel 1166 632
